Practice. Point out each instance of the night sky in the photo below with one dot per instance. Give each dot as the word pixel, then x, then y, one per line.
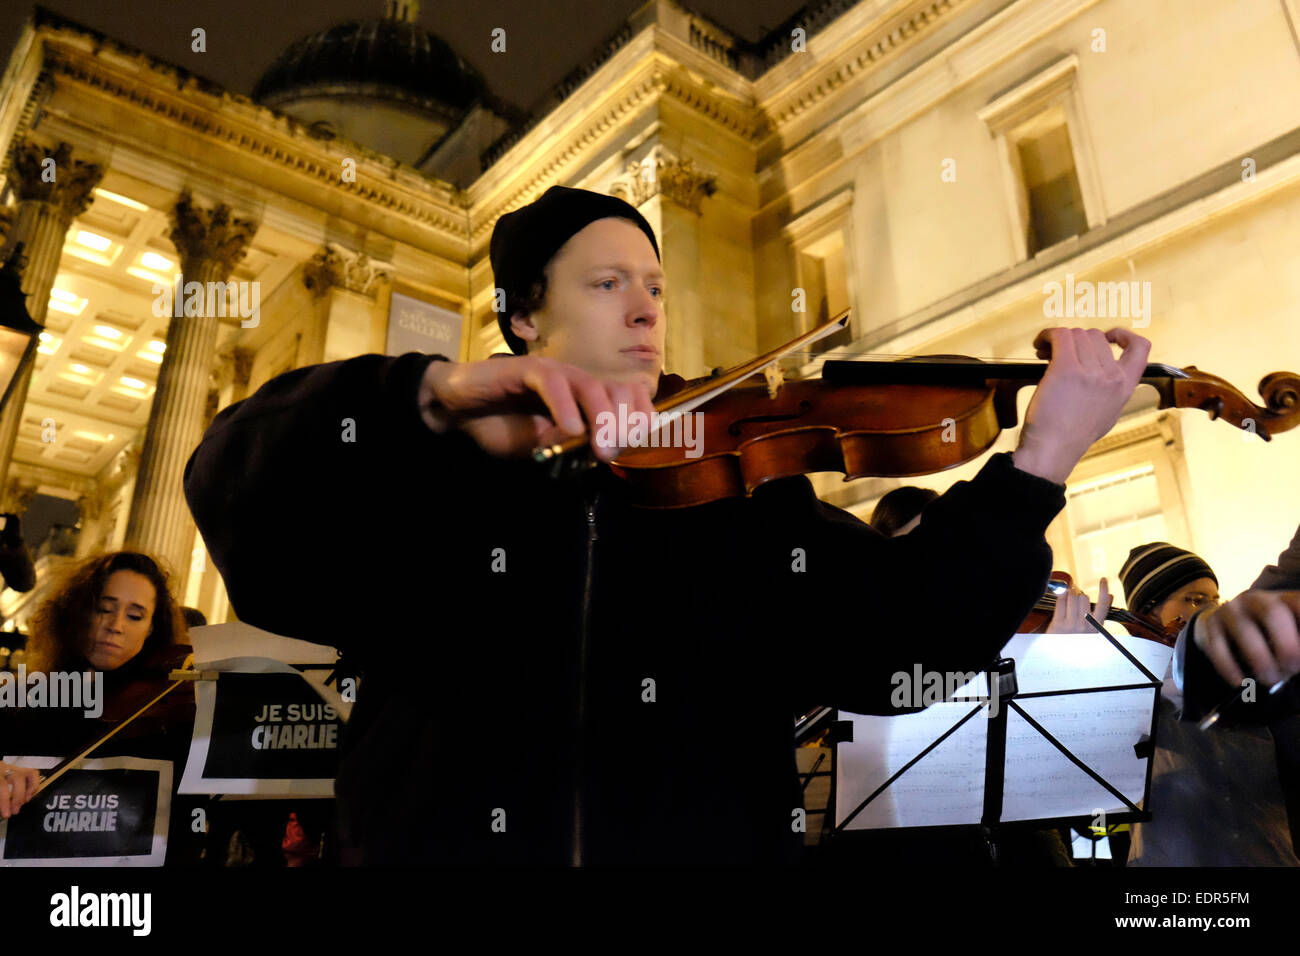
pixel 545 38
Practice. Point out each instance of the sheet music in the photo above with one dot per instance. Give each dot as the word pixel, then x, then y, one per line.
pixel 237 639
pixel 1100 729
pixel 946 787
pixel 1079 661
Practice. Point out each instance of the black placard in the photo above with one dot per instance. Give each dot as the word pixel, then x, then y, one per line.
pixel 87 813
pixel 251 738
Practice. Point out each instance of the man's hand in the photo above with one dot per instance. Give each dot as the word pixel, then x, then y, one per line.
pixel 1073 608
pixel 512 405
pixel 1261 627
pixel 1080 397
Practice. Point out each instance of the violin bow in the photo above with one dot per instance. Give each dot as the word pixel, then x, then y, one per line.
pixel 71 763
pixel 680 403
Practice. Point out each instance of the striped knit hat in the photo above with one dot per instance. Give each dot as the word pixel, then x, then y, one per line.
pixel 1155 571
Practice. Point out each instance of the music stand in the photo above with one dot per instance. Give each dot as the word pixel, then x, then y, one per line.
pixel 1068 737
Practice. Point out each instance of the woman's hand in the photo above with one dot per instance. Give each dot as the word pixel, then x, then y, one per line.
pixel 17 786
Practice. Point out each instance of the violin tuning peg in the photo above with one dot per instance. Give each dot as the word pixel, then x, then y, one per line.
pixel 1213 405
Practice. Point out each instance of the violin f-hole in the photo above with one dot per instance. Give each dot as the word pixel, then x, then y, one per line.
pixel 805 407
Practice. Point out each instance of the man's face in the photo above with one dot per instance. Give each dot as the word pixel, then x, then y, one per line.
pixel 1187 600
pixel 604 305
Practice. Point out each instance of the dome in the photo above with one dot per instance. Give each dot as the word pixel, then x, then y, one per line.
pixel 387 59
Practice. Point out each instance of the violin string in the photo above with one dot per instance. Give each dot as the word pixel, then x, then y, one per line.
pixel 894 357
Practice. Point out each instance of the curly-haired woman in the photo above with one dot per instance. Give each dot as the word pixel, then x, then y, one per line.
pixel 110 614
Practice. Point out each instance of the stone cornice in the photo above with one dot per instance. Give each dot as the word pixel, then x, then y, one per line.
pixel 656 63
pixel 176 97
pixel 783 99
pixel 877 114
pixel 23 87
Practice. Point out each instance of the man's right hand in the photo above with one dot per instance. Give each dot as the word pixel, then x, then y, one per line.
pixel 510 406
pixel 1261 629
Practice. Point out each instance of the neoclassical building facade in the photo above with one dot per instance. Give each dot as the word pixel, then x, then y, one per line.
pixel 941 168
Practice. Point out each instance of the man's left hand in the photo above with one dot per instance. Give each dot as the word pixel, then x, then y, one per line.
pixel 1080 397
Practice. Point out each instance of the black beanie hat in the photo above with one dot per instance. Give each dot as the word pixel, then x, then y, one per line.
pixel 524 241
pixel 1155 571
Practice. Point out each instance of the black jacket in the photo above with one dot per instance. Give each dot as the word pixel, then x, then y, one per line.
pixel 1205 689
pixel 465 587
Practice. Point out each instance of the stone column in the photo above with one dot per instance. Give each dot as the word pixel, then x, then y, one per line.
pixel 50 196
pixel 210 243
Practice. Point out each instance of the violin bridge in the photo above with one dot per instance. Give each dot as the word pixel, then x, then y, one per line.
pixel 775 379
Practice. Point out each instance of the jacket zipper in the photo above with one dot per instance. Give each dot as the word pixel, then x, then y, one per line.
pixel 576 841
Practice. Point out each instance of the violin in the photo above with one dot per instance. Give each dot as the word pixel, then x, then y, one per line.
pixel 1136 624
pixel 870 419
pixel 141 705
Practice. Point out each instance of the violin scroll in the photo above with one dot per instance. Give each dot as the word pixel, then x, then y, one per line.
pixel 1221 399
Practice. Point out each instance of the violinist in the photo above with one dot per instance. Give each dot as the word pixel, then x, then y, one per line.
pixel 597 642
pixel 1215 795
pixel 110 616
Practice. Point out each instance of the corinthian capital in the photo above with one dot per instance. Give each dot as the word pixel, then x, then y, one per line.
pixel 18 494
pixel 335 266
pixel 679 181
pixel 662 174
pixel 54 177
pixel 209 235
pixel 90 506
